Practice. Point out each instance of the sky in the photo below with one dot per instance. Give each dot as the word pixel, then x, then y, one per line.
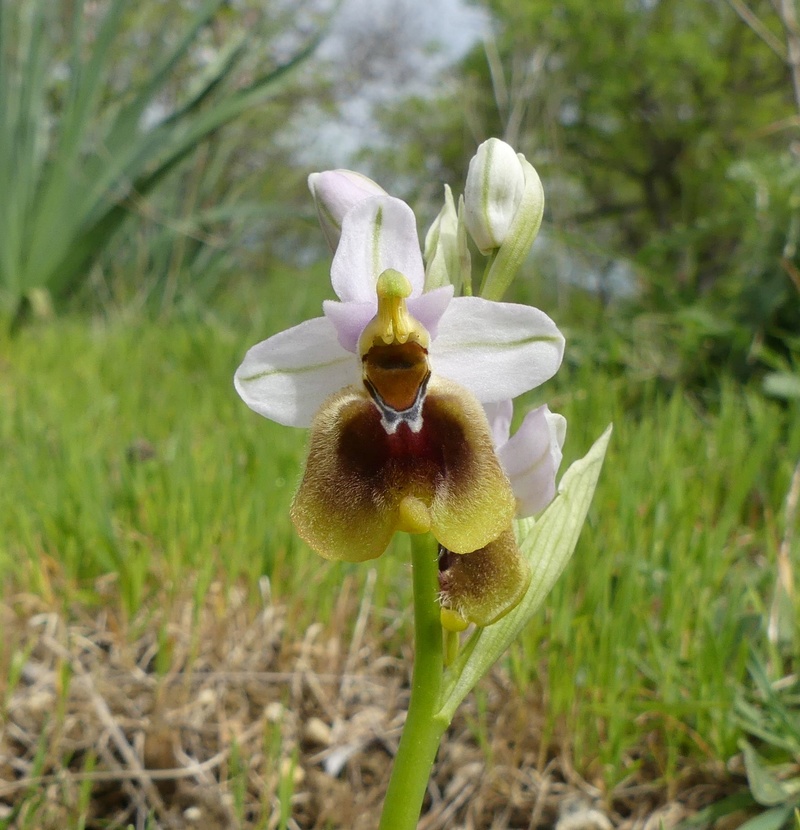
pixel 385 49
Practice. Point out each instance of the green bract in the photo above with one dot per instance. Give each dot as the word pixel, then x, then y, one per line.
pixel 547 543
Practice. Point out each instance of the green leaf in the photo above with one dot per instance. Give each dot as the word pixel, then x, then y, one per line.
pixel 773 819
pixel 68 188
pixel 547 544
pixel 765 787
pixel 718 810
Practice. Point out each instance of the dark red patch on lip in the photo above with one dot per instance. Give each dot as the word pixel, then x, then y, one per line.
pixel 396 372
pixel 439 451
pixel 364 444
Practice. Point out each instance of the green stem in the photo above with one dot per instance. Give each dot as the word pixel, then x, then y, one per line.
pixel 423 730
pixel 490 258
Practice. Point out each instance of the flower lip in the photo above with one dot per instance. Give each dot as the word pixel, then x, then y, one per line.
pixel 362 483
pixel 481 586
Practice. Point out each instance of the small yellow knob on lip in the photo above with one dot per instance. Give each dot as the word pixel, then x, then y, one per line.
pixel 451 621
pixel 414 516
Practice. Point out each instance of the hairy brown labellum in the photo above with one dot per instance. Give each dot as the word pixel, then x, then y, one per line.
pixel 484 585
pixel 362 482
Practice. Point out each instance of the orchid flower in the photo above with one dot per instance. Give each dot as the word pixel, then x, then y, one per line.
pixel 407 390
pixel 480 586
pixel 391 381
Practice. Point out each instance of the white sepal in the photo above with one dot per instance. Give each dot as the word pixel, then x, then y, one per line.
pixel 377 234
pixel 287 377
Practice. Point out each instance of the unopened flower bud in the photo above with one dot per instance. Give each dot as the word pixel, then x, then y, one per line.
pixel 504 202
pixel 495 183
pixel 335 192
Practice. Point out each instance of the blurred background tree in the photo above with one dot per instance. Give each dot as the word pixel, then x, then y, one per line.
pixel 666 132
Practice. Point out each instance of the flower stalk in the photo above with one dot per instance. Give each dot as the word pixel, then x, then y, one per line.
pixel 424 727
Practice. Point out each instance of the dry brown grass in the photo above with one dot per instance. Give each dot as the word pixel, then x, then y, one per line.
pixel 205 718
